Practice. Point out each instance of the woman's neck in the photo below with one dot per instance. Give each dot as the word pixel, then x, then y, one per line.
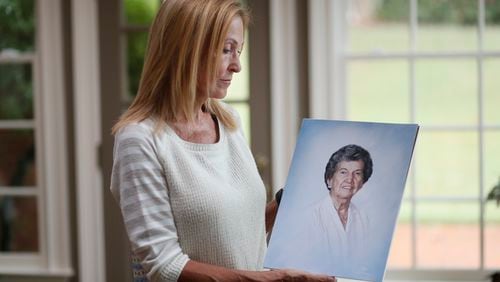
pixel 203 129
pixel 340 204
pixel 342 208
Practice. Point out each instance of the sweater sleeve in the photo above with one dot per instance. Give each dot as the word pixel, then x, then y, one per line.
pixel 138 184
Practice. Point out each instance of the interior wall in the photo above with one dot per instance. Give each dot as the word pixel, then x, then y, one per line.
pixel 260 89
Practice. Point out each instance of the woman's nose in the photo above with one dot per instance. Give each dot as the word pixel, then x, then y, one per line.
pixel 350 178
pixel 235 65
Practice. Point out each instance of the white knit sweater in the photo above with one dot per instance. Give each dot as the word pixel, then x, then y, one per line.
pixel 182 200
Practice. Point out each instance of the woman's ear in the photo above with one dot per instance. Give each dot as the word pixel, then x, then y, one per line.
pixel 329 183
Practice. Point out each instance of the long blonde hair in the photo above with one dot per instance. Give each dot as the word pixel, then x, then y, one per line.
pixel 184 47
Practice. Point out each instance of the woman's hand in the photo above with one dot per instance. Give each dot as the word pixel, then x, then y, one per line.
pixel 296 275
pixel 202 272
pixel 271 211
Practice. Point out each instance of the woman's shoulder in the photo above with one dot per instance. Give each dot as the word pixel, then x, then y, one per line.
pixel 136 130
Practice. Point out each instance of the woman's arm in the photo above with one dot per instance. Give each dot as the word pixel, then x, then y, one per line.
pixel 139 186
pixel 201 272
pixel 271 211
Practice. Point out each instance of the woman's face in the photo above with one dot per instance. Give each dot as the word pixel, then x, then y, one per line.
pixel 347 179
pixel 230 60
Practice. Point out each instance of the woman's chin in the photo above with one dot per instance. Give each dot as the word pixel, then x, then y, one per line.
pixel 218 95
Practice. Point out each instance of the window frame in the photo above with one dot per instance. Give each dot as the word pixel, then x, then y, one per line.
pixel 328 90
pixel 49 122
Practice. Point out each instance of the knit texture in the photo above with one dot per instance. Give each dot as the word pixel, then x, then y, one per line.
pixel 182 200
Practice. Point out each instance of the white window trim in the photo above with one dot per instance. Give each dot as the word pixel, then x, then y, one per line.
pixel 53 258
pixel 284 87
pixel 327 88
pixel 53 115
pixel 325 60
pixel 90 216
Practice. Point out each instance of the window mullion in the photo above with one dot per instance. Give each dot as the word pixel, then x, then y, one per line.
pixel 481 23
pixel 17 124
pixel 413 33
pixel 15 57
pixel 19 191
pixel 422 55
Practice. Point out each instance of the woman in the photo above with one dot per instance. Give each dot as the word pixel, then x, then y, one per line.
pixel 338 225
pixel 191 197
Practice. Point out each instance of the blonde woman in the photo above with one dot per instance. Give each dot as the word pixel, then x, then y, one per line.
pixel 192 200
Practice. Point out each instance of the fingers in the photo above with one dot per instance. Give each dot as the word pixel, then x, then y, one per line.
pixel 329 279
pixel 321 278
pixel 295 275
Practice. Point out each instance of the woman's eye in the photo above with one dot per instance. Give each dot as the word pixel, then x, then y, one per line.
pixel 226 51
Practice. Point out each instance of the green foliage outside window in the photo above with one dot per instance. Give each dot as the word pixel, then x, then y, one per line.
pixel 17 26
pixel 17 35
pixel 440 11
pixel 137 12
pixel 16 91
pixel 494 194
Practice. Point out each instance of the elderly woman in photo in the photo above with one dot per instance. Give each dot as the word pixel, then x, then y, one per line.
pixel 338 223
pixel 346 172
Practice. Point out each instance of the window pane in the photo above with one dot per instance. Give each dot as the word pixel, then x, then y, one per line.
pixel 409 183
pixel 244 112
pixel 447 164
pixel 16 91
pixel 136 47
pixel 444 226
pixel 140 12
pixel 17 25
pixel 238 94
pixel 18 224
pixel 491 159
pixel 491 39
pixel 378 91
pixel 446 92
pixel 492 208
pixel 491 91
pixel 378 26
pixel 400 255
pixel 18 161
pixel 491 236
pixel 240 85
pixel 447 25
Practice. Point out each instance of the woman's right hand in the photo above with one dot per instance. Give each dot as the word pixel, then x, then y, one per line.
pixel 297 275
pixel 202 272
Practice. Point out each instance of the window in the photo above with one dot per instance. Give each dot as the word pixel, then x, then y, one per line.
pixel 18 167
pixel 138 15
pixel 430 62
pixel 33 233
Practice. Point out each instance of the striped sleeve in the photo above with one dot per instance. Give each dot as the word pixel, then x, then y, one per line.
pixel 138 184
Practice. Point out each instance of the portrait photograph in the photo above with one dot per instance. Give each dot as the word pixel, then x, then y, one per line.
pixel 342 197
